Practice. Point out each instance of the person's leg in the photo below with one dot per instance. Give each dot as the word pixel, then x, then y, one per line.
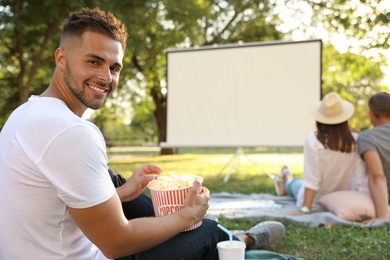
pixel 261 235
pixel 281 179
pixel 200 243
pixel 279 185
pixel 293 187
pixel 139 207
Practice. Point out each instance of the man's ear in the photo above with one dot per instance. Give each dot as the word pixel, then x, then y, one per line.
pixel 370 113
pixel 60 58
pixel 373 115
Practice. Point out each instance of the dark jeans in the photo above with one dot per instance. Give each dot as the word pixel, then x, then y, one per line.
pixel 200 243
pixel 140 207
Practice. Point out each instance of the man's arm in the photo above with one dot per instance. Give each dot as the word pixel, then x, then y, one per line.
pixel 106 226
pixel 138 181
pixel 378 185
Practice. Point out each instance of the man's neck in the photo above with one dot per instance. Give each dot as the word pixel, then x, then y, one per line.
pixel 382 121
pixel 51 91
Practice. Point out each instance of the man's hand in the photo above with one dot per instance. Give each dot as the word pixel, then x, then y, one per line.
pixel 373 221
pixel 197 200
pixel 138 181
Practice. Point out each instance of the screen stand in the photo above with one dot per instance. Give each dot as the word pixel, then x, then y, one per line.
pixel 234 163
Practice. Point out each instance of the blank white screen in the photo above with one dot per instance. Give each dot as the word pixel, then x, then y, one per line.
pixel 248 95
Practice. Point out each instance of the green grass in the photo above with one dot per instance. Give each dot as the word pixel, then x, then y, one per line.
pixel 248 176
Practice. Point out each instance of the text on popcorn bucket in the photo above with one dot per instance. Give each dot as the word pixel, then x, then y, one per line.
pixel 168 209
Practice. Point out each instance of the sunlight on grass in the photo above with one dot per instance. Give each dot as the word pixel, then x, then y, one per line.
pixel 211 165
pixel 247 173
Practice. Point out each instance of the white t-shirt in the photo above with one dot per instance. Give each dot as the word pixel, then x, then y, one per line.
pixel 326 170
pixel 49 159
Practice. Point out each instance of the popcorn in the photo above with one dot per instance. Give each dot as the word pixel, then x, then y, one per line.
pixel 168 193
pixel 173 181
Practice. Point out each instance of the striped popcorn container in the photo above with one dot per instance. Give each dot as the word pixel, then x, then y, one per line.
pixel 169 200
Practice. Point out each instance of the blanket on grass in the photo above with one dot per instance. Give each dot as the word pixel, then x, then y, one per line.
pixel 260 206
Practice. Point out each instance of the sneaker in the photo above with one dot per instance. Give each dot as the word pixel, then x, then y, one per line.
pixel 265 234
pixel 212 217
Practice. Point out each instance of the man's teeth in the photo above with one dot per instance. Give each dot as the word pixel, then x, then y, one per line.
pixel 97 89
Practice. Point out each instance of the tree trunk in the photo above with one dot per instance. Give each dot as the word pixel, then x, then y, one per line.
pixel 160 113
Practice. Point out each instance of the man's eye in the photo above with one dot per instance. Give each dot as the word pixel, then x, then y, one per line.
pixel 94 62
pixel 116 70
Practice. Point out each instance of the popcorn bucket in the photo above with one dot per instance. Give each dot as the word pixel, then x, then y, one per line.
pixel 167 200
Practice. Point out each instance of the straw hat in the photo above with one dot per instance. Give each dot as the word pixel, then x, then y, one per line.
pixel 332 110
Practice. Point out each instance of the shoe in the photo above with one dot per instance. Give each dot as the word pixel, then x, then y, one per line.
pixel 265 234
pixel 286 174
pixel 279 185
pixel 212 217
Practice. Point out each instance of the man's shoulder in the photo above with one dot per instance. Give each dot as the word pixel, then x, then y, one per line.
pixel 376 131
pixel 365 135
pixel 371 138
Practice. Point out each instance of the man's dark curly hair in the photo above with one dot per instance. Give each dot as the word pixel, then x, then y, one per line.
pixel 380 104
pixel 94 20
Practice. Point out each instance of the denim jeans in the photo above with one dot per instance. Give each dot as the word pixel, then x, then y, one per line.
pixel 200 243
pixel 293 187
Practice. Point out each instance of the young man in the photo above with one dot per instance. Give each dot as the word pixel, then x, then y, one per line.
pixel 374 147
pixel 57 200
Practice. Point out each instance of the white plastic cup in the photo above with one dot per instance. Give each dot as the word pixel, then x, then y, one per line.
pixel 231 250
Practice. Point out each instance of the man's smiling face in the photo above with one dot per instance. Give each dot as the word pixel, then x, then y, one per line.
pixel 92 68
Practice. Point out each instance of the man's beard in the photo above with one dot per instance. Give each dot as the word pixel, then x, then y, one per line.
pixel 78 93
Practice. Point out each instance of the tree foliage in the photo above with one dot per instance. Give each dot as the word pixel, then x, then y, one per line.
pixel 161 25
pixel 365 20
pixel 355 77
pixel 30 33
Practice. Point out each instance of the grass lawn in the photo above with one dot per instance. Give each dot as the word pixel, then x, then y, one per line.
pixel 248 176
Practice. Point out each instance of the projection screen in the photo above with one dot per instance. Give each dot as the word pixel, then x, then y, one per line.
pixel 244 95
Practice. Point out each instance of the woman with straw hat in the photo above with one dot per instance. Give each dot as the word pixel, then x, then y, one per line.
pixel 331 160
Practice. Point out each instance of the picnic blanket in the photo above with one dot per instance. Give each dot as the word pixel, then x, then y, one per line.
pixel 260 206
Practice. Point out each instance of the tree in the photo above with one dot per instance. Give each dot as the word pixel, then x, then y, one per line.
pixel 365 23
pixel 28 40
pixel 29 35
pixel 363 26
pixel 365 20
pixel 173 24
pixel 355 77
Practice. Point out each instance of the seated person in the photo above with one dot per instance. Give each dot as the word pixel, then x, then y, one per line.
pixel 331 160
pixel 261 235
pixel 374 147
pixel 57 200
